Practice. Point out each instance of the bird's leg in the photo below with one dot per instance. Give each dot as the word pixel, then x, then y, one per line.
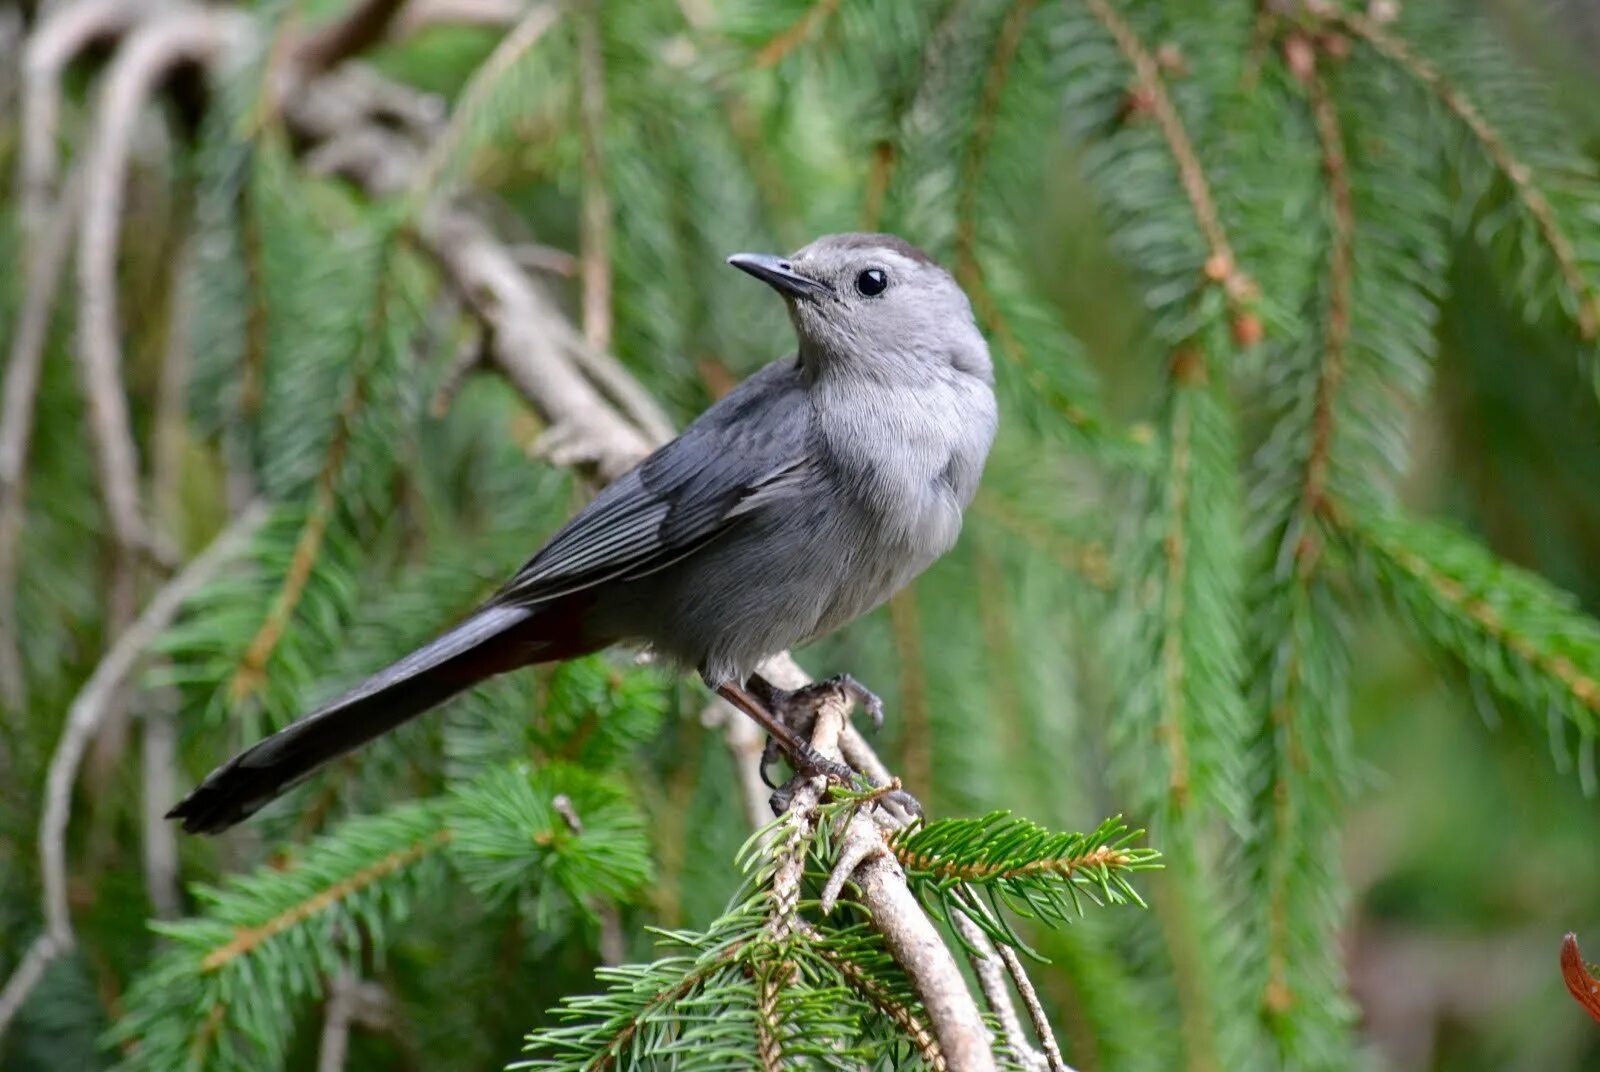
pixel 796 711
pixel 798 707
pixel 807 760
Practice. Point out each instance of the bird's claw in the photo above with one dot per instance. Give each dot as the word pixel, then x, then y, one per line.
pixel 868 700
pixel 907 803
pixel 808 763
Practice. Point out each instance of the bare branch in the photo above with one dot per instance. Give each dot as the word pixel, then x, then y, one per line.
pixel 27 975
pixel 82 720
pixel 151 51
pixel 53 45
pixel 524 326
pixel 1030 998
pixel 420 15
pixel 362 26
pixel 990 971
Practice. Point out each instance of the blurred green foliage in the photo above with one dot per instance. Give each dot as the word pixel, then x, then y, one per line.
pixel 1361 738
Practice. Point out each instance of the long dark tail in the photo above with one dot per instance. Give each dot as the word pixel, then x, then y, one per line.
pixel 493 640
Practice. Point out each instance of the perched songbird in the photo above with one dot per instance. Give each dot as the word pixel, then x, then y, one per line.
pixel 800 501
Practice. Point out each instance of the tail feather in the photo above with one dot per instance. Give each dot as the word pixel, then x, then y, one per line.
pixel 486 644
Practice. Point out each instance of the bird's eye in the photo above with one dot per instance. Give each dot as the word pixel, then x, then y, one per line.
pixel 872 282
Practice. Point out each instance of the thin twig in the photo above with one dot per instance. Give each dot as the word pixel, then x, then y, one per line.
pixel 151 51
pixel 83 719
pixel 1030 999
pixel 59 38
pixel 29 971
pixel 990 971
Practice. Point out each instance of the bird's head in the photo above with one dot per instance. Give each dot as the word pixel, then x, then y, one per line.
pixel 873 305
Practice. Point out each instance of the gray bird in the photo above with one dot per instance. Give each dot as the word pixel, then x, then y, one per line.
pixel 798 502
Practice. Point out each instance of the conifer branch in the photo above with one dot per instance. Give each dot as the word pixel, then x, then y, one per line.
pixel 1287 753
pixel 1528 637
pixel 247 940
pixel 968 264
pixel 795 34
pixel 1336 333
pixel 251 672
pixel 879 997
pixel 1524 183
pixel 1220 266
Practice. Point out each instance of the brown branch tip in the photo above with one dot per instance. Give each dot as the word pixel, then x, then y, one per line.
pixel 1580 978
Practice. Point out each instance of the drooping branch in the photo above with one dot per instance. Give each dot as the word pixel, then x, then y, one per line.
pixel 184 35
pixel 1220 266
pixel 1341 271
pixel 60 38
pixel 83 720
pixel 1529 193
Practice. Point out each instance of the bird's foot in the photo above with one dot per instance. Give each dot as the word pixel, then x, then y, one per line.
pixel 789 717
pixel 797 708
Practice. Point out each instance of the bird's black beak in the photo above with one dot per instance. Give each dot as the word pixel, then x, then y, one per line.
pixel 779 274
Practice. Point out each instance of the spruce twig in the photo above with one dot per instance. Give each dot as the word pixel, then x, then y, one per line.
pixel 1524 181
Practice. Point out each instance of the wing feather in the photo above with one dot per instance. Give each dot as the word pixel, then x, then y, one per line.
pixel 748 450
